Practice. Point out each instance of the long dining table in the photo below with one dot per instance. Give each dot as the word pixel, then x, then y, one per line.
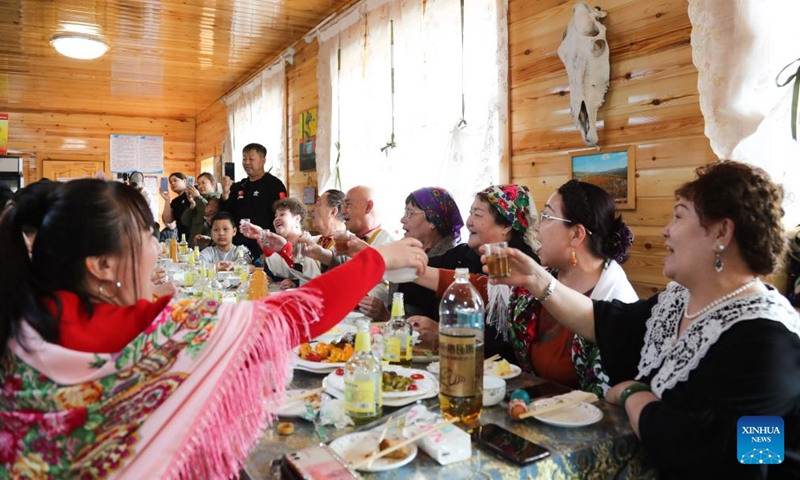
pixel 607 449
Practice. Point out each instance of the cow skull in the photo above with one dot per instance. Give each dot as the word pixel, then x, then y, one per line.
pixel 584 51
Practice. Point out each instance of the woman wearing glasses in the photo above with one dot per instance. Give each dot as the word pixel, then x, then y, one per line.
pixel 718 350
pixel 582 241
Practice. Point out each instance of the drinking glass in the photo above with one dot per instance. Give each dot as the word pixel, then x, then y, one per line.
pixel 497 260
pixel 340 238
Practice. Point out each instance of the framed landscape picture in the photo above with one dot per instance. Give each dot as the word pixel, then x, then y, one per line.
pixel 613 169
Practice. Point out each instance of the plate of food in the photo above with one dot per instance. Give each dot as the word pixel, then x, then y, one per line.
pixel 501 369
pixel 424 355
pixel 575 415
pixel 398 382
pixel 323 356
pixel 357 447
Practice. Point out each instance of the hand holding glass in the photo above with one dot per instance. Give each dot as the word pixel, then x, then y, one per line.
pixel 497 260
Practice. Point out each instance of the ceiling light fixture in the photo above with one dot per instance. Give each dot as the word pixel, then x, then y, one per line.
pixel 79 46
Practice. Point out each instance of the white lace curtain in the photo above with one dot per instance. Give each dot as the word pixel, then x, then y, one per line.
pixel 257 114
pixel 739 46
pixel 357 109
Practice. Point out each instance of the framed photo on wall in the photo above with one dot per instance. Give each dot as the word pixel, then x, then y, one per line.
pixel 613 169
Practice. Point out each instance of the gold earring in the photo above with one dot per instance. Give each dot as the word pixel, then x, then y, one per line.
pixel 574 260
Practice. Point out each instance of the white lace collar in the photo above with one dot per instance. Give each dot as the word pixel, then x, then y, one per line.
pixel 673 359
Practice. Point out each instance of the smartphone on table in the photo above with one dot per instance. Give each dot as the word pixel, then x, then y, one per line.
pixel 543 390
pixel 164 184
pixel 315 463
pixel 509 445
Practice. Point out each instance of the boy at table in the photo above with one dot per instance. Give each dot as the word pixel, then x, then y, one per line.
pixel 224 253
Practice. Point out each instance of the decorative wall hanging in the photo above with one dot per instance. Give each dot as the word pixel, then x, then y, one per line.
pixel 584 52
pixel 612 169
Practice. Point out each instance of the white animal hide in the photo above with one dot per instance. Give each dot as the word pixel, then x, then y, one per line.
pixel 584 51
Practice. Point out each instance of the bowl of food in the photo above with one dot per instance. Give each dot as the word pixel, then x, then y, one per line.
pixel 494 389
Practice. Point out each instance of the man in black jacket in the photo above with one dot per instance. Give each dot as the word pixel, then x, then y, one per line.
pixel 253 196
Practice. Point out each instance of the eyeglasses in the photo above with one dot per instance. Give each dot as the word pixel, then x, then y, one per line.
pixel 410 213
pixel 543 216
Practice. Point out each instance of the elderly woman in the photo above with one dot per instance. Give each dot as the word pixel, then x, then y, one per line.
pixel 716 345
pixel 98 380
pixel 432 217
pixel 500 213
pixel 281 248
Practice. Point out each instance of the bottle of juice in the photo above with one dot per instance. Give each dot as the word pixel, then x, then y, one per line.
pixel 397 335
pixel 363 380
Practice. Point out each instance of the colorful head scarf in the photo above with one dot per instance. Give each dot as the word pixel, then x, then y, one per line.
pixel 440 209
pixel 514 204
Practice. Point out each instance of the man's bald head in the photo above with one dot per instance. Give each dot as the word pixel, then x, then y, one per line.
pixel 360 214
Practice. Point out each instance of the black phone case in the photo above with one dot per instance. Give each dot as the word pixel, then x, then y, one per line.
pixel 510 446
pixel 230 170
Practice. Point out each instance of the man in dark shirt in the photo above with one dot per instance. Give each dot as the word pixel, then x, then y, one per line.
pixel 253 196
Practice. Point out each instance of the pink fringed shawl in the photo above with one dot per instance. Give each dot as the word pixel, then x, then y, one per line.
pixel 187 398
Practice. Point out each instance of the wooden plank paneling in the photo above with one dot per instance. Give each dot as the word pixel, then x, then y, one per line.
pixel 652 104
pixel 55 136
pixel 211 130
pixel 167 58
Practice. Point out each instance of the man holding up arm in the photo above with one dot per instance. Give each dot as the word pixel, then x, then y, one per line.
pixel 253 196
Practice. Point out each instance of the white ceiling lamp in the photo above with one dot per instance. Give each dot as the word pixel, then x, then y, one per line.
pixel 78 46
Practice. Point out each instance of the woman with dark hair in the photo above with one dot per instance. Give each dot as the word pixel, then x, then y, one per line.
pixel 716 348
pixel 583 242
pixel 194 217
pixel 173 209
pixel 98 380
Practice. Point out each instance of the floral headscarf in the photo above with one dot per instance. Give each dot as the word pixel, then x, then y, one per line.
pixel 515 204
pixel 440 209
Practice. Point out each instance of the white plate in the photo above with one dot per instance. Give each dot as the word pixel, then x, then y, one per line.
pixel 387 402
pixel 336 332
pixel 490 370
pixel 316 367
pixel 514 372
pixel 355 447
pixel 298 407
pixel 425 385
pixel 577 415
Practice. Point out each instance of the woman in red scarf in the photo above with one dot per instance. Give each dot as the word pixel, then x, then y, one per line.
pixel 98 381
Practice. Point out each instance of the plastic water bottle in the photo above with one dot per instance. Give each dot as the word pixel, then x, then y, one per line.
pixel 461 346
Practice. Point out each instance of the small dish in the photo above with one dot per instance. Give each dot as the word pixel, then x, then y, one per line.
pixel 576 415
pixel 358 446
pixel 494 389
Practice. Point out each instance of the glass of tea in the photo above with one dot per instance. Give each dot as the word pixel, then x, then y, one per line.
pixel 340 238
pixel 497 260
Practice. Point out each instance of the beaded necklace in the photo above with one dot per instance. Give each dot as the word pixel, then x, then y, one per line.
pixel 718 301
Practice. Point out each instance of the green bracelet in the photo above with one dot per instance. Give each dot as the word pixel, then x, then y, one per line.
pixel 630 390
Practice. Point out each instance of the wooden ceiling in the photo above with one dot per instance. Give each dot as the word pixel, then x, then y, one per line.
pixel 167 58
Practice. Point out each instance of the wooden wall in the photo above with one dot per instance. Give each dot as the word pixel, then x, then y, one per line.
pixel 43 136
pixel 302 95
pixel 211 129
pixel 652 104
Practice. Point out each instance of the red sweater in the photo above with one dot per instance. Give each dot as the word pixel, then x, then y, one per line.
pixel 112 327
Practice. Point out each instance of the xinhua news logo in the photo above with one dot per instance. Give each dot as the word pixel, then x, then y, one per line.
pixel 759 440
